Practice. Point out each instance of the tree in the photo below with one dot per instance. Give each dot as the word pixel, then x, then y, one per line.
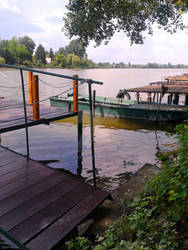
pixel 18 51
pixel 76 47
pixel 5 53
pixel 28 43
pixel 73 60
pixel 51 54
pixel 61 51
pixel 40 54
pixel 59 60
pixel 99 19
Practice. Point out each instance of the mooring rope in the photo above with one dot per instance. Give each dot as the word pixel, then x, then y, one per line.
pixel 21 105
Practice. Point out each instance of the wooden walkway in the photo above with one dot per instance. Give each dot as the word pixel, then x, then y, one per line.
pixel 13 117
pixel 39 206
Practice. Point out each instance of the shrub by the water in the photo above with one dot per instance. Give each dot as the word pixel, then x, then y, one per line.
pixel 158 217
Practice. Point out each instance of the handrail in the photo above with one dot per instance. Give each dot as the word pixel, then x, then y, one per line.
pixel 90 81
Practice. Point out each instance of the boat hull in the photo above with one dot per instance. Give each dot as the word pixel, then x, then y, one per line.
pixel 150 112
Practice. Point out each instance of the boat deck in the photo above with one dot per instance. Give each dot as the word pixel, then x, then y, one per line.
pixel 155 88
pixel 12 115
pixel 39 206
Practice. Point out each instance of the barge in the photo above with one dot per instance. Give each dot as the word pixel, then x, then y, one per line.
pixel 152 109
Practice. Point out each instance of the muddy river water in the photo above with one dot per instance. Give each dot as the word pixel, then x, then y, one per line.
pixel 121 146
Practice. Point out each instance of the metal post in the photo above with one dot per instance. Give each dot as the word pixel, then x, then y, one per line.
pixel 92 136
pixel 80 135
pixel 93 102
pixel 25 113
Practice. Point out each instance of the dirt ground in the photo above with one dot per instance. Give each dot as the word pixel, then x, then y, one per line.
pixel 109 211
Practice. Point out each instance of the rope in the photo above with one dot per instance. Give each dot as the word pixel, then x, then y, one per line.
pixel 69 89
pixel 20 106
pixel 56 87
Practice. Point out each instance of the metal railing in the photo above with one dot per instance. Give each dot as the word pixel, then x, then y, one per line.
pixel 82 80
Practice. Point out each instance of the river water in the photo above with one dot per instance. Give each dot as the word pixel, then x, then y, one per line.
pixel 121 146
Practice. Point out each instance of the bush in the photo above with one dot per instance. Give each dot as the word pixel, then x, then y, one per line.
pixel 158 217
pixel 2 60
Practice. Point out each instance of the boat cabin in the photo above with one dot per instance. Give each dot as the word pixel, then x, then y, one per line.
pixel 172 88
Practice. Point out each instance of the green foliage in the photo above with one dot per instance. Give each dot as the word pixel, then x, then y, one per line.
pixel 59 60
pixel 14 51
pixel 40 55
pixel 158 217
pixel 28 43
pixel 2 60
pixel 19 50
pixel 51 53
pixel 76 47
pixel 80 243
pixel 98 20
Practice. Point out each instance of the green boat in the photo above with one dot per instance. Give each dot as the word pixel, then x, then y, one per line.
pixel 105 106
pixel 154 109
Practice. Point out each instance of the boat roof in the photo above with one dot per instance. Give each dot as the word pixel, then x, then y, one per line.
pixel 181 78
pixel 171 88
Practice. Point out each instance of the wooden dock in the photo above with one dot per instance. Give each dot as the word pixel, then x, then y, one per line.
pixel 12 115
pixel 39 206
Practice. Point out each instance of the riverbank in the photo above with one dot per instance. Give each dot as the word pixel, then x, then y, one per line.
pixel 158 217
pixel 109 212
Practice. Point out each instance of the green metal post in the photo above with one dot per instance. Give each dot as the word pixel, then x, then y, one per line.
pixel 25 113
pixel 92 135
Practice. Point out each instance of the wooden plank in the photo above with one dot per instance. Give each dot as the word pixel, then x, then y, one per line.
pixel 10 167
pixel 40 221
pixel 35 205
pixel 24 183
pixel 14 118
pixel 2 149
pixel 59 229
pixel 30 192
pixel 22 173
pixel 6 243
pixel 7 156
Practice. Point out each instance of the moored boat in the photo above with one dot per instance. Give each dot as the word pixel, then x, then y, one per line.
pixel 152 109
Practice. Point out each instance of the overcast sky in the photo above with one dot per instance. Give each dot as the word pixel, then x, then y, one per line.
pixel 42 21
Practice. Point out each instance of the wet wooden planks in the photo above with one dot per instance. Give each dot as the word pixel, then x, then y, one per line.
pixel 13 117
pixel 39 206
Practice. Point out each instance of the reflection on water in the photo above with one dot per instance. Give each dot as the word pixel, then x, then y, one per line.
pixel 118 123
pixel 121 146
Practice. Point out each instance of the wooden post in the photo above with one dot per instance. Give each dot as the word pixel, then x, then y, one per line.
pixel 75 94
pixel 30 74
pixel 35 94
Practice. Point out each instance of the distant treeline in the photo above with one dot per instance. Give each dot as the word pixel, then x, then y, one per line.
pixel 141 66
pixel 23 51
